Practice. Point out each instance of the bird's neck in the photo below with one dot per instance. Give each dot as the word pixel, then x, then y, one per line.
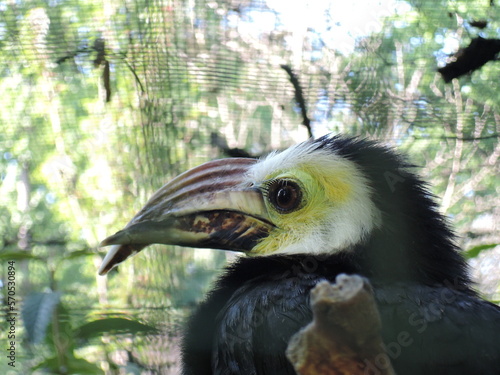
pixel 412 251
pixel 328 266
pixel 325 266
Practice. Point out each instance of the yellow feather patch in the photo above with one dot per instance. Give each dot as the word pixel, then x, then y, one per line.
pixel 337 210
pixel 320 194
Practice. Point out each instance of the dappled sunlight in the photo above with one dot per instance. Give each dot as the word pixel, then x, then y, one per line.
pixel 105 102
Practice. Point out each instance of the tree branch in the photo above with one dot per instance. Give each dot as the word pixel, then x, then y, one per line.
pixel 344 336
pixel 471 58
pixel 299 97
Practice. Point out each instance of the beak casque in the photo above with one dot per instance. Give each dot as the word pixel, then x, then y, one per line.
pixel 210 206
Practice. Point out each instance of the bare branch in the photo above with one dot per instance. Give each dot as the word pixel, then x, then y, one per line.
pixel 344 336
pixel 299 97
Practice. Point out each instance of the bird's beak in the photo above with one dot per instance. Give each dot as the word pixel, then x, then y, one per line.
pixel 211 206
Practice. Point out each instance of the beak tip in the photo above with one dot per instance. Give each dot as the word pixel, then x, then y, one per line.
pixel 116 254
pixel 109 260
pixel 104 268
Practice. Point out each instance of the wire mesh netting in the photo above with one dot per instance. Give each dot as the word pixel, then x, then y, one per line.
pixel 104 101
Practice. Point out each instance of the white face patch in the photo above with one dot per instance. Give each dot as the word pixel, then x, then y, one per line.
pixel 341 212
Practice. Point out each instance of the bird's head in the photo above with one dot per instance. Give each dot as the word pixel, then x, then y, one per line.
pixel 322 196
pixel 316 200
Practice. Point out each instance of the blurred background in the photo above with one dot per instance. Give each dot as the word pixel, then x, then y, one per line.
pixel 103 101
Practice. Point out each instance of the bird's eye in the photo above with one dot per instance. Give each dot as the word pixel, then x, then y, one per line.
pixel 285 195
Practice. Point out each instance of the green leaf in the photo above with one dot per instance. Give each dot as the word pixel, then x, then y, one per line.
pixel 476 250
pixel 73 365
pixel 37 313
pixel 78 254
pixel 17 255
pixel 99 327
pixel 81 366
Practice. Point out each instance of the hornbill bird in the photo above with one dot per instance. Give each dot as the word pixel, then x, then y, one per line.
pixel 318 209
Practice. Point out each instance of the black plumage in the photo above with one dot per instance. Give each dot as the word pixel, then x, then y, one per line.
pixel 433 321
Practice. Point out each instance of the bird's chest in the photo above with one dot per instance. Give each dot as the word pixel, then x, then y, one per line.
pixel 255 324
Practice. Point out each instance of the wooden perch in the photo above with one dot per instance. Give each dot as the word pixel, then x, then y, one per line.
pixel 344 336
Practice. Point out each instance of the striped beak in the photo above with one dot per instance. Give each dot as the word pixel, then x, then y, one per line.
pixel 210 206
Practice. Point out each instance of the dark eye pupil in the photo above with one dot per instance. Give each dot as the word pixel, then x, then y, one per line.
pixel 285 195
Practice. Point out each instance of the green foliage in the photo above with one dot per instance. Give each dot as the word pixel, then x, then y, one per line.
pixel 17 255
pixel 72 365
pixel 76 165
pixel 37 313
pixel 476 250
pixel 44 312
pixel 100 327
